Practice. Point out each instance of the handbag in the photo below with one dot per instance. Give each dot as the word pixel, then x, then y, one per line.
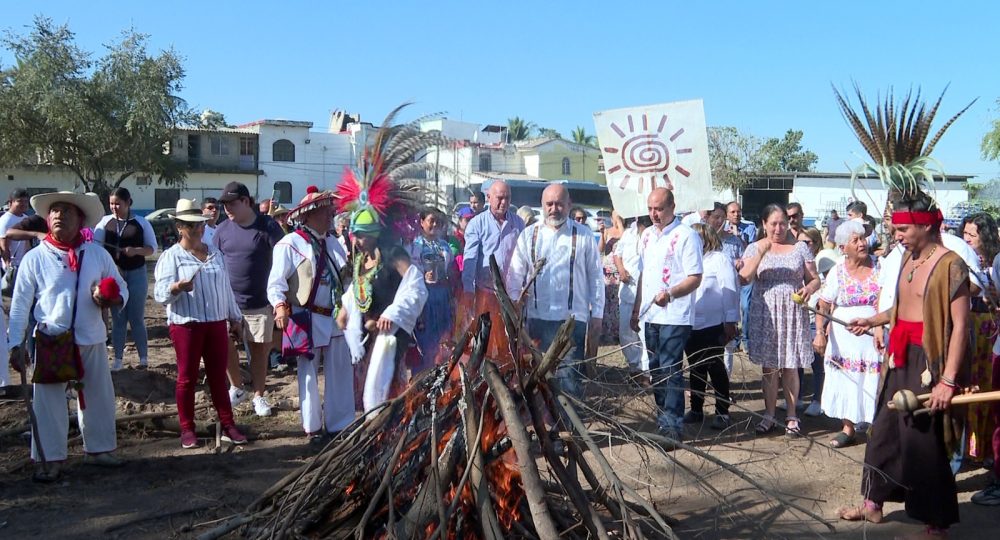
pixel 7 281
pixel 57 358
pixel 296 339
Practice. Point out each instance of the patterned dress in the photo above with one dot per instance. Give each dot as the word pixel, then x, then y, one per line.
pixel 609 324
pixel 852 363
pixel 984 332
pixel 779 335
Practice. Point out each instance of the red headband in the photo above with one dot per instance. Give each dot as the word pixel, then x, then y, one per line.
pixel 926 217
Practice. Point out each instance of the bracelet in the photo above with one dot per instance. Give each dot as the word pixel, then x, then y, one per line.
pixel 948 382
pixel 281 305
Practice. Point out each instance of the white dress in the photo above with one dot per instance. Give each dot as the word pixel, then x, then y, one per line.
pixel 852 363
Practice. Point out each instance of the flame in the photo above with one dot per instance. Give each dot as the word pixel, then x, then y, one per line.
pixel 505 480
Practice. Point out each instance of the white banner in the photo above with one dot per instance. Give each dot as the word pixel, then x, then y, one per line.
pixel 663 145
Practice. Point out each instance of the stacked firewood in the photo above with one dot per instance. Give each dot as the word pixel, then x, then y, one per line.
pixel 471 449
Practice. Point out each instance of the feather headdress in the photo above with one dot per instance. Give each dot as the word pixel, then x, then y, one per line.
pixel 387 185
pixel 895 136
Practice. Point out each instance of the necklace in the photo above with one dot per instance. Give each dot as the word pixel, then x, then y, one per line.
pixel 914 266
pixel 363 281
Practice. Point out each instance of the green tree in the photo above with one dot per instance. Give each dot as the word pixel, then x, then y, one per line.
pixel 735 157
pixel 786 154
pixel 210 119
pixel 104 119
pixel 580 137
pixel 991 141
pixel 519 129
pixel 549 133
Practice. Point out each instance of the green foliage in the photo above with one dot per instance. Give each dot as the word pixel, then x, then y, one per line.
pixel 519 129
pixel 580 137
pixel 210 119
pixel 549 133
pixel 991 141
pixel 786 154
pixel 104 119
pixel 735 157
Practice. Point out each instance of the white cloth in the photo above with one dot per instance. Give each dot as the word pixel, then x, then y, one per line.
pixel 403 312
pixel 97 421
pixel 668 257
pixel 4 352
pixel 717 298
pixel 148 234
pixel 336 410
pixel 212 297
pixel 46 280
pixel 289 253
pixel 627 249
pixel 381 368
pixel 692 218
pixel 17 248
pixel 550 298
pixel 634 348
pixel 892 263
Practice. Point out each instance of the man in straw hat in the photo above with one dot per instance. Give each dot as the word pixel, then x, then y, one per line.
pixel 69 281
pixel 305 284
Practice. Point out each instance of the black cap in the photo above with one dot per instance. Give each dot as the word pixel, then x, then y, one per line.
pixel 233 191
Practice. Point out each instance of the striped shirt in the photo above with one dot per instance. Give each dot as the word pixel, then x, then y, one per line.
pixel 211 299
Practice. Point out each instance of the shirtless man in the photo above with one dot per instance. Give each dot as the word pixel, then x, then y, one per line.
pixel 907 457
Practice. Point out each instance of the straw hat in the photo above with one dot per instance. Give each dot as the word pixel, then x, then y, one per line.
pixel 279 211
pixel 188 210
pixel 88 203
pixel 314 199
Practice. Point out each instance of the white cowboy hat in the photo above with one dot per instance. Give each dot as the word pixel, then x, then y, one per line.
pixel 826 259
pixel 88 203
pixel 188 210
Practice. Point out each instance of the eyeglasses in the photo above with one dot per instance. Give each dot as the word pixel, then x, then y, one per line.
pixel 810 242
pixel 210 207
pixel 794 216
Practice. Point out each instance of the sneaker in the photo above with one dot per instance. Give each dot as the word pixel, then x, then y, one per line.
pixel 143 363
pixel 814 409
pixel 720 422
pixel 237 396
pixel 316 439
pixel 106 459
pixel 117 365
pixel 261 406
pixel 989 496
pixel 274 359
pixel 189 439
pixel 232 435
pixel 694 417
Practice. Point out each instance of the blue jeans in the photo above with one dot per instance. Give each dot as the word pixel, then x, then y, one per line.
pixel 665 344
pixel 819 375
pixel 745 310
pixel 132 313
pixel 568 372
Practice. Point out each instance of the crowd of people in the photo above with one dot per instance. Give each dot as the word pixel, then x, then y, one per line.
pixel 325 290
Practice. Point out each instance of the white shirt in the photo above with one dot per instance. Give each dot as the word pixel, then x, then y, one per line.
pixel 45 279
pixel 570 284
pixel 208 235
pixel 891 266
pixel 212 297
pixel 717 299
pixel 148 234
pixel 627 249
pixel 289 253
pixel 404 310
pixel 668 257
pixel 17 248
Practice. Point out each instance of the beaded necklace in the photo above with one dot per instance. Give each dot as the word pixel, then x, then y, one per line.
pixel 363 281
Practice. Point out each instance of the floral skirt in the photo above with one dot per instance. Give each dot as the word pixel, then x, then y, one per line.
pixel 981 425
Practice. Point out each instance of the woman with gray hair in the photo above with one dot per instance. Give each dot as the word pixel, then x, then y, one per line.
pixel 852 363
pixel 527 214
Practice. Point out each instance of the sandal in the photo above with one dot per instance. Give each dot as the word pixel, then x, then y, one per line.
pixel 862 512
pixel 47 475
pixel 792 427
pixel 842 440
pixel 766 425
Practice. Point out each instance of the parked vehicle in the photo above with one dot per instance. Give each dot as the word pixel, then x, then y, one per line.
pixel 163 227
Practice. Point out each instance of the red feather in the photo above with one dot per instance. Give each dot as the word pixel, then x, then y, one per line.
pixel 312 189
pixel 348 190
pixel 379 194
pixel 108 289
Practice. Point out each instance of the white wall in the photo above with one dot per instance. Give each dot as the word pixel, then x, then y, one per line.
pixel 817 194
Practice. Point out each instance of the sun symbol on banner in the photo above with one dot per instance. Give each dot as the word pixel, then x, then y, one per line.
pixel 647 155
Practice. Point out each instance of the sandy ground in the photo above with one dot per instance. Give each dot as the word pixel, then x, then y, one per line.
pixel 164 490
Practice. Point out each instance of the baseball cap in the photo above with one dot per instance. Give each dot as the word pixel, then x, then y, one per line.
pixel 233 191
pixel 465 212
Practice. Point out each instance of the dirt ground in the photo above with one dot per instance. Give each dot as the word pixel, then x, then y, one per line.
pixel 165 491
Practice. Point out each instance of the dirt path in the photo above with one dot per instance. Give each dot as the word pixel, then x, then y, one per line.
pixel 164 490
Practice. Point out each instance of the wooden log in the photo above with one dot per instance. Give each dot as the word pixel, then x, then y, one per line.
pixel 530 479
pixel 480 491
pixel 359 531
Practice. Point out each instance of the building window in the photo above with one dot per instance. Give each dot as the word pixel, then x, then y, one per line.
pixel 565 166
pixel 283 192
pixel 283 150
pixel 248 146
pixel 485 162
pixel 219 144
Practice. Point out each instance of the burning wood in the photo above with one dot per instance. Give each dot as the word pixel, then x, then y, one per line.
pixel 469 450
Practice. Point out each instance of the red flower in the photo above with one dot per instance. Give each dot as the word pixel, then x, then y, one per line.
pixel 109 289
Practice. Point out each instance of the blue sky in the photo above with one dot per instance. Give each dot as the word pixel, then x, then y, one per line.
pixel 762 66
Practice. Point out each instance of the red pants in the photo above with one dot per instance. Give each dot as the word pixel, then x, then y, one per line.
pixel 996 419
pixel 192 343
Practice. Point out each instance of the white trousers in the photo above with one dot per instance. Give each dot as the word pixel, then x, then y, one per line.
pixel 97 421
pixel 634 343
pixel 4 353
pixel 336 409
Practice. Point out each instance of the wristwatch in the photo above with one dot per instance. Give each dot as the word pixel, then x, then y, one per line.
pixel 670 297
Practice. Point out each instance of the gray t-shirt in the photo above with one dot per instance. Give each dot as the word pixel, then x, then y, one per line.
pixel 17 248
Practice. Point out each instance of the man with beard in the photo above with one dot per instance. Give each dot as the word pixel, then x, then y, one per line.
pixel 907 457
pixel 570 284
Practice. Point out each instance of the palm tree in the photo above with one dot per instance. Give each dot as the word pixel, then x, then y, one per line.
pixel 549 133
pixel 518 129
pixel 580 137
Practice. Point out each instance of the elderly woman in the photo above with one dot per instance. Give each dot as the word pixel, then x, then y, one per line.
pixel 129 239
pixel 191 280
pixel 980 232
pixel 64 283
pixel 716 312
pixel 779 336
pixel 527 215
pixel 852 362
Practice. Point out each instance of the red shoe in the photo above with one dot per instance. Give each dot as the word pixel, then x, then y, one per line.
pixel 189 439
pixel 232 435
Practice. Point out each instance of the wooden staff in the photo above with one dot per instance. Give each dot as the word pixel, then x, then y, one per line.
pixel 908 401
pixel 802 303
